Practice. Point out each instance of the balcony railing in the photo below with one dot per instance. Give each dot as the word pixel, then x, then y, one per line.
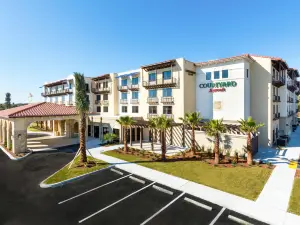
pixel 167 100
pixel 276 98
pixel 290 100
pixel 152 100
pixel 134 101
pixel 133 87
pixel 69 103
pixel 57 92
pixel 276 116
pixel 152 115
pixel 290 113
pixel 101 90
pixel 123 101
pixel 160 83
pixel 123 88
pixel 278 81
pixel 105 102
pixel 97 102
pixel 291 86
pixel 169 116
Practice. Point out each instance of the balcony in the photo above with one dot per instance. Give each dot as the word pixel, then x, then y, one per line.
pixel 290 113
pixel 97 102
pixel 133 87
pixel 276 116
pixel 57 92
pixel 278 81
pixel 101 90
pixel 276 98
pixel 291 86
pixel 152 115
pixel 152 100
pixel 167 100
pixel 169 116
pixel 105 102
pixel 69 103
pixel 123 101
pixel 123 88
pixel 134 101
pixel 290 100
pixel 160 83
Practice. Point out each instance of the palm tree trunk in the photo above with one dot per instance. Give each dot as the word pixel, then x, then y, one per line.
pixel 125 140
pixel 193 141
pixel 82 145
pixel 217 147
pixel 249 150
pixel 152 141
pixel 163 146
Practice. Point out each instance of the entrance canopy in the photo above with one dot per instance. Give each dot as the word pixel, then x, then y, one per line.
pixel 14 122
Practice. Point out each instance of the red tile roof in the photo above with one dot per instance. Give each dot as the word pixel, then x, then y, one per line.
pixel 39 110
pixel 272 58
pixel 223 60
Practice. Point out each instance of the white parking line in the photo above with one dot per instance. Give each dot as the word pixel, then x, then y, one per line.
pixel 238 220
pixel 116 171
pixel 162 209
pixel 76 196
pixel 137 180
pixel 217 217
pixel 198 204
pixel 162 190
pixel 101 210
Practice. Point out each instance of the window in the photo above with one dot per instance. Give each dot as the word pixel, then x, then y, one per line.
pixel 105 130
pixel 135 109
pixel 98 109
pixel 135 80
pixel 87 87
pixel 224 73
pixel 124 95
pixel 167 92
pixel 135 95
pixel 105 109
pixel 124 109
pixel 70 86
pixel 167 110
pixel 152 93
pixel 98 97
pixel 217 75
pixel 88 98
pixel 105 96
pixel 247 71
pixel 152 76
pixel 124 82
pixel 208 75
pixel 63 99
pixel 152 109
pixel 167 75
pixel 105 84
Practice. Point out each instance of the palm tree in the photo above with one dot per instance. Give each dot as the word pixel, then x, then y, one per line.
pixel 110 137
pixel 162 123
pixel 152 127
pixel 214 128
pixel 250 127
pixel 192 119
pixel 125 122
pixel 82 106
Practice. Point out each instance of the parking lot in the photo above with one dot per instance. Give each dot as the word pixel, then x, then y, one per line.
pixel 110 196
pixel 123 198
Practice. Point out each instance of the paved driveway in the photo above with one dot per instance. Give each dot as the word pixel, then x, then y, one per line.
pixel 111 196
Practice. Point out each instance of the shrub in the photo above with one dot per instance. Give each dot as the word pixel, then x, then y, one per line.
pixel 5 144
pixel 109 137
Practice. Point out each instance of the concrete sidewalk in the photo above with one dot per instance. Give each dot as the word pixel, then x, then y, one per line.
pixel 266 213
pixel 277 191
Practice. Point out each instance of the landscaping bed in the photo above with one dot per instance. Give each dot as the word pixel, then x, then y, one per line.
pixel 76 169
pixel 238 179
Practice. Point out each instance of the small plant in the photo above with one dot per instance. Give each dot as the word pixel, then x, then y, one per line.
pixel 233 164
pixel 209 152
pixel 202 148
pixel 10 146
pixel 269 164
pixel 215 165
pixel 227 154
pixel 143 152
pixel 5 144
pixel 182 153
pixel 236 157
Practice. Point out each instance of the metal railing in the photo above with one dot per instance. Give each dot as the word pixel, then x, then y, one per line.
pixel 97 102
pixel 152 115
pixel 278 81
pixel 57 92
pixel 134 101
pixel 101 90
pixel 123 101
pixel 122 88
pixel 133 86
pixel 153 100
pixel 167 100
pixel 160 83
pixel 169 116
pixel 104 102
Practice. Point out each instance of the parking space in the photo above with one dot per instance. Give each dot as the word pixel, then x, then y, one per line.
pixel 122 198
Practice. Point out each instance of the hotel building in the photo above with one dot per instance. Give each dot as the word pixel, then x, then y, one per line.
pixel 230 89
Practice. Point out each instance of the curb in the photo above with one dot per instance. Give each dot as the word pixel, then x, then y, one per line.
pixel 61 183
pixel 12 157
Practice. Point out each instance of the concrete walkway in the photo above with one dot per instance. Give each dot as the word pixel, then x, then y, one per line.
pixel 263 212
pixel 277 191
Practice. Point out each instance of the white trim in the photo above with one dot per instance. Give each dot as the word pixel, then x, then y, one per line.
pixel 12 157
pixel 218 216
pixel 101 210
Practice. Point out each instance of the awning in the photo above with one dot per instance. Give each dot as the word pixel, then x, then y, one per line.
pixel 127 75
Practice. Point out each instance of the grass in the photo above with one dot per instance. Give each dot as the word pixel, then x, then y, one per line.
pixel 294 204
pixel 246 182
pixel 75 171
pixel 34 128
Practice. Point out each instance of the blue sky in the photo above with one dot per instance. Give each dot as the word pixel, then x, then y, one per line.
pixel 47 40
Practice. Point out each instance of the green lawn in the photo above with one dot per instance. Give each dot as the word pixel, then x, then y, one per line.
pixel 74 171
pixel 242 181
pixel 34 128
pixel 294 205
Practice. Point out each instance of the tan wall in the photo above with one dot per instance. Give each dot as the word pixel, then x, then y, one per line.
pixel 229 142
pixel 189 87
pixel 261 98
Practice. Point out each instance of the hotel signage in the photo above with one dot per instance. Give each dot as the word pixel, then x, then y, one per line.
pixel 218 86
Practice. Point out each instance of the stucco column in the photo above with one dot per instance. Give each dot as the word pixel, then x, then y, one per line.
pixel 60 128
pixel 4 136
pixel 55 127
pixel 8 133
pixel 19 136
pixel 45 125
